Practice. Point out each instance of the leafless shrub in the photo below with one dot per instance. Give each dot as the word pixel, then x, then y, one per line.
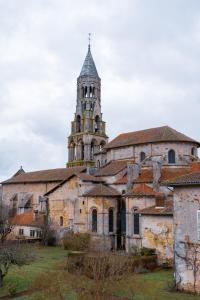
pixel 76 241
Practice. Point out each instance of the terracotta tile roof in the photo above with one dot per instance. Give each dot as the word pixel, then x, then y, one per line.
pixel 51 175
pixel 142 190
pixel 102 190
pixel 146 175
pixel 152 135
pixel 112 168
pixel 27 219
pixel 155 210
pixel 189 179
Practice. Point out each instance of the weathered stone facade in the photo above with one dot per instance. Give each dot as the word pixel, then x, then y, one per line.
pixel 187 236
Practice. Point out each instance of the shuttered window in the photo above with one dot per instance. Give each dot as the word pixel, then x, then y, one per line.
pixel 198 224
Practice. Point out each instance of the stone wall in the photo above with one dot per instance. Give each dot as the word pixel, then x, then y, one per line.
pixel 187 244
pixel 183 151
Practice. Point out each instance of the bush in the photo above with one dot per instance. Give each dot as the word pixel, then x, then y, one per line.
pixel 76 241
pixel 136 251
pixel 99 266
pixel 51 238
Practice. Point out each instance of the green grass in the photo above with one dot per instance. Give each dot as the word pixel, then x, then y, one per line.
pixel 149 286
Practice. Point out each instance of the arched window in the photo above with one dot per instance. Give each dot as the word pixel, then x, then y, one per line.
pixel 81 150
pixel 97 124
pixel 193 151
pixel 94 220
pixel 82 92
pixel 90 94
pixel 142 156
pixel 110 220
pixel 78 124
pixel 61 221
pixel 136 222
pixel 171 157
pixel 98 163
pixel 85 93
pixel 101 146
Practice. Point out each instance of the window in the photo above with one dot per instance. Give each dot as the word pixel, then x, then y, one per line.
pixel 61 221
pixel 136 222
pixel 193 151
pixel 80 210
pixel 98 164
pixel 21 231
pixel 78 124
pixel 94 220
pixel 32 233
pixel 142 156
pixel 83 202
pixel 171 157
pixel 198 225
pixel 110 219
pixel 38 234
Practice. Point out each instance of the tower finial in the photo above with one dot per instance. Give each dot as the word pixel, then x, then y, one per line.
pixel 89 39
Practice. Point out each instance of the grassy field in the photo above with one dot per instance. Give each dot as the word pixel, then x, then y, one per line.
pixel 47 273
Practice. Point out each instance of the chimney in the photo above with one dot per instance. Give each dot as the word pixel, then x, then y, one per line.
pixel 133 171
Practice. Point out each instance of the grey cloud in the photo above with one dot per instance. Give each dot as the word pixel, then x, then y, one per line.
pixel 146 52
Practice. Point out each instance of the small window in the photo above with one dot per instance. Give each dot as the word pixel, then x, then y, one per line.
pixel 80 210
pixel 136 222
pixel 61 221
pixel 83 202
pixel 32 233
pixel 142 156
pixel 98 164
pixel 110 219
pixel 123 192
pixel 94 220
pixel 193 151
pixel 171 157
pixel 21 231
pixel 198 225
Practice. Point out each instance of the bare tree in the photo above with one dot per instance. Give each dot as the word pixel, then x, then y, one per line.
pixel 5 226
pixel 13 253
pixel 190 254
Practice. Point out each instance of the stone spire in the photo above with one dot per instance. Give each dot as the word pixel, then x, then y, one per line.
pixel 89 68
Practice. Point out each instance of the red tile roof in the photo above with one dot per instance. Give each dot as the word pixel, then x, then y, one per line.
pixel 51 175
pixel 189 179
pixel 152 135
pixel 112 168
pixel 155 210
pixel 27 219
pixel 143 190
pixel 146 175
pixel 102 190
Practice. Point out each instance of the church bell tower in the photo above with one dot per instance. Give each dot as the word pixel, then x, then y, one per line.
pixel 87 129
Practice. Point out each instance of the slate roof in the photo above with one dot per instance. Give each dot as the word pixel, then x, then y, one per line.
pixel 152 135
pixel 146 175
pixel 27 219
pixel 89 68
pixel 102 190
pixel 112 168
pixel 143 190
pixel 189 179
pixel 51 175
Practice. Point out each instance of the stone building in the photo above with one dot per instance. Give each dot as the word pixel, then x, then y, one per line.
pixel 187 231
pixel 113 190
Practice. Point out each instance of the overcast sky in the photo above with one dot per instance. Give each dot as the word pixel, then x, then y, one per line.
pixel 147 53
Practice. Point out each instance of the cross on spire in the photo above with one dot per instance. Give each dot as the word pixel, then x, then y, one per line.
pixel 89 39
